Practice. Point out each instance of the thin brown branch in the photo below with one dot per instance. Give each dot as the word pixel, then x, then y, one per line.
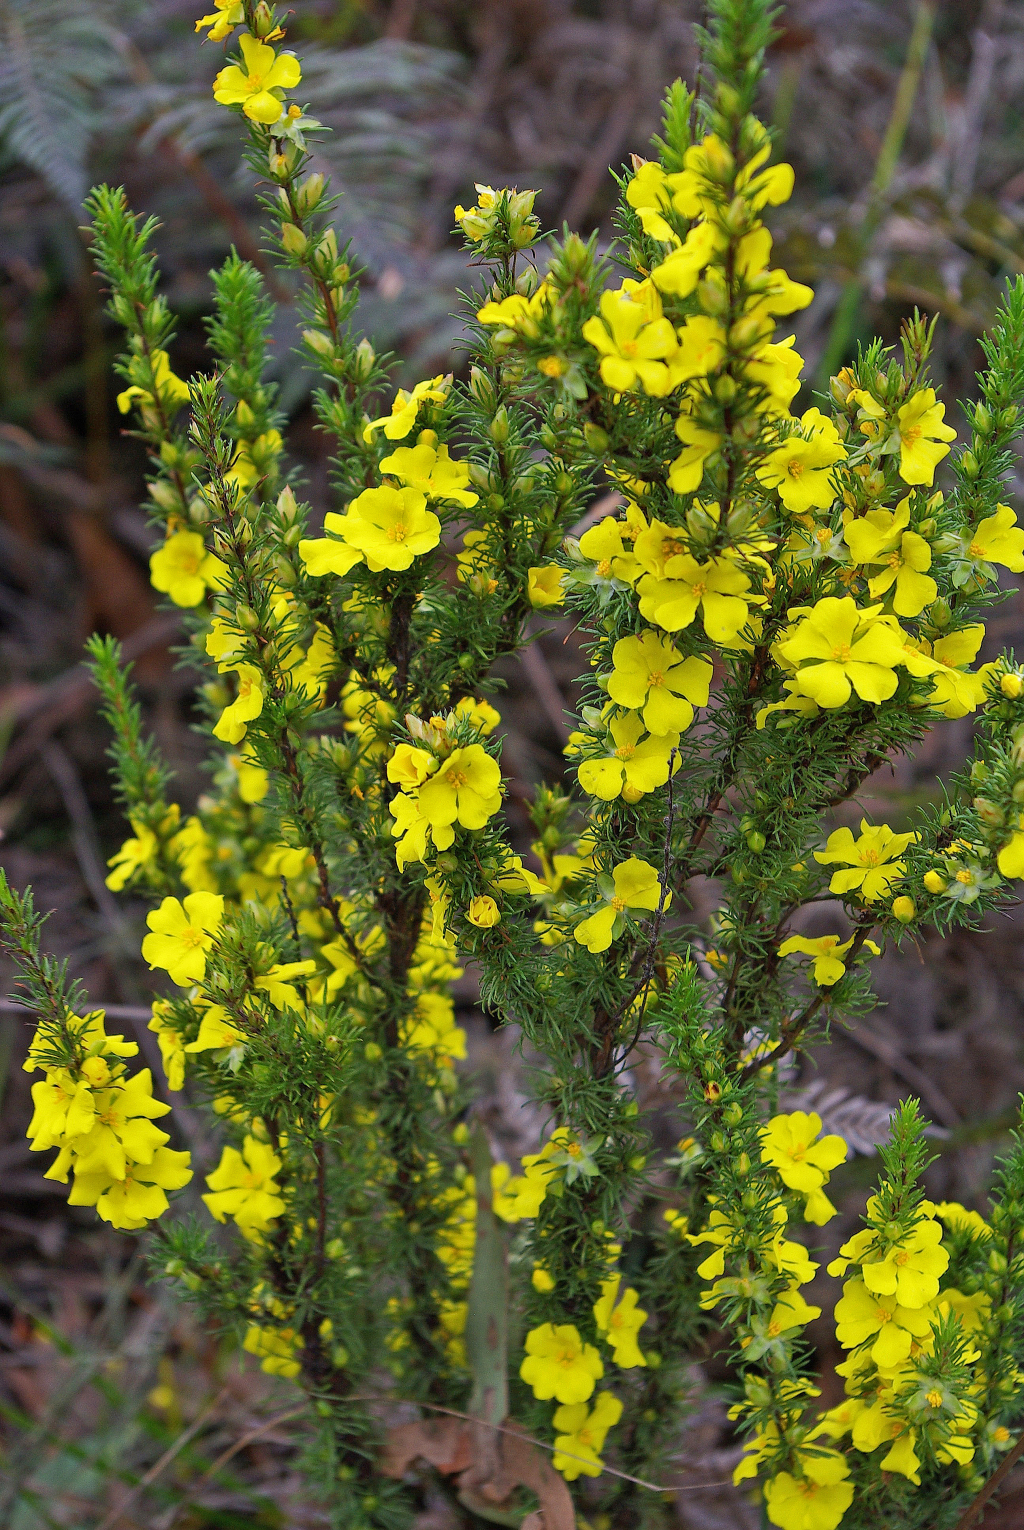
pixel 998 1477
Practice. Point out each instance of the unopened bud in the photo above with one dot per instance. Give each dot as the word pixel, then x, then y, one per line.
pixel 293 240
pixel 318 341
pixel 365 359
pixel 246 617
pixel 309 194
pixel 499 427
pixel 989 812
pixel 935 882
pixel 596 439
pixel 481 387
pixel 1011 684
pixel 969 465
pixel 287 506
pixel 714 299
pixel 904 909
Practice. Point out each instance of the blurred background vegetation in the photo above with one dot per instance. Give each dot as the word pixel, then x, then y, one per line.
pixel 904 123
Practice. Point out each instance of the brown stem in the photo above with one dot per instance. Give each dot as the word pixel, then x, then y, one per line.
pixel 1005 1467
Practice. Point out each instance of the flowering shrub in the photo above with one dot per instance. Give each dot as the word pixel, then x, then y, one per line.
pixel 781 601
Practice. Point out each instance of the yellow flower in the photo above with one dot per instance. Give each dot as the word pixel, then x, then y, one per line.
pixel 633 764
pixel 253 780
pixel 909 1269
pixel 432 1029
pixel 816 1501
pixel 633 346
pixel 258 88
pixel 170 389
pixel 840 647
pixel 133 856
pixel 183 569
pixel 391 526
pixel 230 726
pixel 412 829
pixel 680 271
pixel 217 1032
pixel 790 1144
pixel 483 912
pixel 827 951
pixel 325 555
pixel 922 437
pixel 861 1316
pixel 466 790
pixel 603 544
pixel 521 1196
pixel 871 858
pixel 699 442
pixel 254 460
pixel 580 1433
pixel 651 675
pixel 961 1220
pixel 182 934
pixel 702 347
pixel 558 1364
pixel 405 407
pixel 620 1324
pixel 544 586
pixel 801 468
pixel 193 849
pixel 409 767
pixel 995 540
pixel 172 1048
pixel 718 589
pixel 432 471
pixel 113 1128
pixel 139 1195
pixel 956 690
pixel 276 1349
pixel 633 884
pixel 223 21
pixel 481 714
pixel 881 537
pixel 776 368
pixel 244 1187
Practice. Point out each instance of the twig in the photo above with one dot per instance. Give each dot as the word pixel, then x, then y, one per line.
pixel 164 1462
pixel 83 834
pixel 538 672
pixel 132 1012
pixel 1007 1464
pixel 61 700
pixel 890 1054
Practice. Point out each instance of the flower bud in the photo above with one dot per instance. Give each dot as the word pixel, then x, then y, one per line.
pixel 309 194
pixel 482 388
pixel 1011 684
pixel 293 240
pixel 365 360
pixel 596 439
pixel 319 342
pixel 246 617
pixel 498 428
pixel 934 882
pixel 714 299
pixel 991 815
pixel 756 842
pixel 969 465
pixel 904 909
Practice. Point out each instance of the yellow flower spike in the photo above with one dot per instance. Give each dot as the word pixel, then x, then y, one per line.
pixel 183 569
pixel 923 438
pixel 223 21
pixel 635 762
pixel 632 348
pixel 801 468
pixel 841 648
pixel 817 1500
pixel 827 951
pixel 544 587
pixel 790 1143
pixel 134 856
pixel 620 1324
pixel 181 934
pixel 466 789
pixel 391 527
pixel 580 1435
pixel 483 912
pixel 406 406
pixel 717 589
pixel 139 1195
pixel 244 1186
pixel 995 540
pixel 432 472
pixel 257 86
pixel 862 1316
pixel 558 1364
pixel 881 537
pixel 872 859
pixel 172 1048
pixel 634 884
pixel 651 675
pixel 170 389
pixel 247 705
pixel 679 272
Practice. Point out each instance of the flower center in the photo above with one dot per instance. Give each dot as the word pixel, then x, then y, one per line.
pixel 902 1257
pixel 774 1329
pixel 574 1150
pixel 965 876
pixel 456 780
pixel 618 904
pixel 841 653
pixel 976 550
pixel 870 858
pixel 895 560
pixel 565 1358
pixel 656 678
pixel 698 590
pixel 671 547
pixel 192 938
pixel 934 1398
pixel 398 533
pixel 625 751
pixel 188 563
pixel 255 82
pixel 911 433
pixel 882 1317
pixel 604 568
pixel 794 467
pixel 824 535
